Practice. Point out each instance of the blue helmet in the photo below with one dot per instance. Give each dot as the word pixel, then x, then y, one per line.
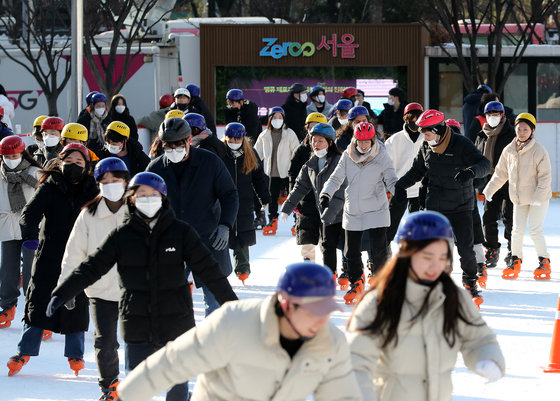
pixel 235 94
pixel 108 164
pixel 193 89
pixel 344 104
pixel 150 179
pixel 493 106
pixel 98 97
pixel 324 130
pixel 276 109
pixel 89 96
pixel 235 130
pixel 315 90
pixel 357 111
pixel 196 120
pixel 305 279
pixel 484 88
pixel 424 225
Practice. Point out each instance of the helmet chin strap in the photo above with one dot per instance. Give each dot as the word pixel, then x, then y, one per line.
pixel 302 338
pixel 427 283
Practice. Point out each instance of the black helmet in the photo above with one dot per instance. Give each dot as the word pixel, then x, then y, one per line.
pixel 297 88
pixel 174 129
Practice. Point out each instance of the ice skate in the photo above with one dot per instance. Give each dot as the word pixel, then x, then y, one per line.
pixel 242 277
pixel 507 258
pixel 371 273
pixel 260 221
pixel 110 393
pixel 46 334
pixel 294 231
pixel 492 256
pixel 270 229
pixel 512 271
pixel 343 281
pixel 76 364
pixel 282 196
pixel 6 317
pixel 351 296
pixel 543 271
pixel 482 275
pixel 470 286
pixel 16 362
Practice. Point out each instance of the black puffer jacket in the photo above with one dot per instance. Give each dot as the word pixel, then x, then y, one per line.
pixel 248 116
pixel 444 194
pixel 214 145
pixel 197 105
pixel 296 113
pixel 156 304
pixel 137 159
pixel 308 224
pixel 45 154
pixel 243 232
pixel 392 120
pixel 54 208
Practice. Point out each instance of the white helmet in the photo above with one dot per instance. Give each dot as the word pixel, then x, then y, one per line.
pixel 182 91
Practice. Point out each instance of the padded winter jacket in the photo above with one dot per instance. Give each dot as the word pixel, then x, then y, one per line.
pixel 237 355
pixel 419 367
pixel 286 148
pixel 402 152
pixel 327 109
pixel 296 113
pixel 248 115
pixel 529 174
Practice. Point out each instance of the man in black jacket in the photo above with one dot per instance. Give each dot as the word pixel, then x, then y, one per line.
pixel 295 108
pixel 241 110
pixel 197 105
pixel 450 162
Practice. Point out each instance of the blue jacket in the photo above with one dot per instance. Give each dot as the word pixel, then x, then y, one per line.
pixel 5 131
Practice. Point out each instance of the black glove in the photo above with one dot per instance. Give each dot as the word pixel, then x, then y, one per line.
pixel 399 195
pixel 220 237
pixel 55 303
pixel 464 175
pixel 324 201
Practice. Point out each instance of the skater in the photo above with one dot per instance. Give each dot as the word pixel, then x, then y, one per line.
pixel 295 108
pixel 39 144
pixel 450 162
pixel 344 135
pixel 182 97
pixel 4 129
pixel 19 176
pixel 393 111
pixel 471 106
pixel 51 128
pixel 243 163
pixel 244 111
pixel 319 103
pixel 408 328
pixel 119 111
pixel 119 144
pixel 203 138
pixel 369 172
pixel 340 117
pixel 275 147
pixel 153 120
pixel 76 133
pixel 46 222
pixel 525 164
pixel 282 347
pixel 198 105
pixel 98 218
pixel 96 122
pixel 155 301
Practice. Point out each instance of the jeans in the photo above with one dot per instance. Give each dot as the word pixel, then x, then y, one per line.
pixel 135 353
pixel 210 303
pixel 352 250
pixel 31 337
pixel 10 262
pixel 105 315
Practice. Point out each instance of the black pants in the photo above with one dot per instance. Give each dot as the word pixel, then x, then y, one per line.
pixel 500 205
pixel 397 209
pixel 276 185
pixel 330 236
pixel 462 225
pixel 352 250
pixel 105 315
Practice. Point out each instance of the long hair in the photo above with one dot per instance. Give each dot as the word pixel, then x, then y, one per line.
pixel 390 283
pixel 332 150
pixel 269 123
pixel 93 204
pixel 250 161
pixel 156 149
pixel 27 156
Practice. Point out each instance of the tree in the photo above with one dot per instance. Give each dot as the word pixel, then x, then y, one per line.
pixel 39 29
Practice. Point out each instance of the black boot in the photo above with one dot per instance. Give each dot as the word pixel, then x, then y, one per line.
pixel 260 221
pixel 492 256
pixel 470 285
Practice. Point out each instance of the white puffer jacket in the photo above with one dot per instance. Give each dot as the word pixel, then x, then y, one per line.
pixel 402 152
pixel 88 234
pixel 286 148
pixel 8 111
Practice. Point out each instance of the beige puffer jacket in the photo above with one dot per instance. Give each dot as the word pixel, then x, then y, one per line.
pixel 529 174
pixel 419 368
pixel 237 355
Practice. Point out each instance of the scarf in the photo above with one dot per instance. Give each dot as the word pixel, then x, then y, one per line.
pixel 520 145
pixel 96 131
pixel 15 178
pixel 492 134
pixel 362 158
pixel 443 143
pixel 237 153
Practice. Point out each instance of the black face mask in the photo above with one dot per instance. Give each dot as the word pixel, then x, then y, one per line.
pixel 412 126
pixel 72 172
pixel 182 106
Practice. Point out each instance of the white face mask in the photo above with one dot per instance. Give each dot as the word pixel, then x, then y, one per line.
pixel 149 205
pixel 433 142
pixel 99 111
pixel 51 140
pixel 390 102
pixel 356 102
pixel 113 191
pixel 493 121
pixel 119 109
pixel 40 144
pixel 113 149
pixel 342 121
pixel 321 98
pixel 362 151
pixel 303 97
pixel 277 123
pixel 176 155
pixel 234 146
pixel 321 153
pixel 12 163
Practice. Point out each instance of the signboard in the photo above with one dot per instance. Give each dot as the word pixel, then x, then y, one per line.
pixel 345 48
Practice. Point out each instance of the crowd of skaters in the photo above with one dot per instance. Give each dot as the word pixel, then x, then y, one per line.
pixel 77 203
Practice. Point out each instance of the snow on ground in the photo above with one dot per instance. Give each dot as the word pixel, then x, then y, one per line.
pixel 521 312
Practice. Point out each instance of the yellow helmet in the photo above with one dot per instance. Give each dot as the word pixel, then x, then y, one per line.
pixel 75 131
pixel 316 118
pixel 38 121
pixel 174 113
pixel 120 128
pixel 527 117
pixel 117 96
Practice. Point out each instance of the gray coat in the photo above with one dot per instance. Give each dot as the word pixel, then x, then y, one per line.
pixel 369 177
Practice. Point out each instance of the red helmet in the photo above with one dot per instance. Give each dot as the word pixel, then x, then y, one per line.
pixel 52 123
pixel 413 106
pixel 11 145
pixel 453 123
pixel 364 131
pixel 165 101
pixel 75 147
pixel 349 92
pixel 429 118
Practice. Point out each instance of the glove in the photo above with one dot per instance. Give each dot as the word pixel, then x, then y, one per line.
pixel 324 201
pixel 55 303
pixel 70 304
pixel 535 204
pixel 283 217
pixel 220 237
pixel 464 175
pixel 400 194
pixel 31 244
pixel 263 208
pixel 489 369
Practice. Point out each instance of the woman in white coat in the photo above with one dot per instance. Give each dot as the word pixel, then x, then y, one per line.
pixel 19 176
pixel 406 331
pixel 275 147
pixel 98 218
pixel 370 174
